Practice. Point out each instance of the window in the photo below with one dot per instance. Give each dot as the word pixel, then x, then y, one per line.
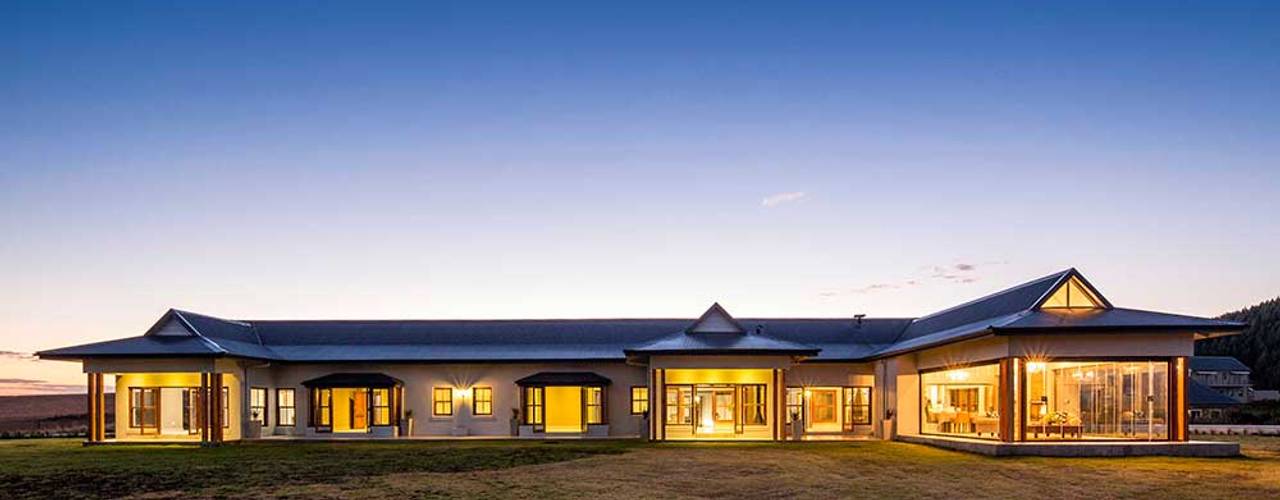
pixel 753 405
pixel 381 406
pixel 595 404
pixel 322 403
pixel 857 406
pixel 285 407
pixel 639 400
pixel 533 405
pixel 226 407
pixel 795 404
pixel 442 401
pixel 142 407
pixel 1069 400
pixel 482 401
pixel 822 402
pixel 258 405
pixel 963 401
pixel 680 405
pixel 1072 295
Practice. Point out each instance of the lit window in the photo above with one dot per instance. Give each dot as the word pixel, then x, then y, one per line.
pixel 442 401
pixel 857 406
pixel 482 401
pixel 533 405
pixel 753 405
pixel 142 407
pixel 795 404
pixel 639 400
pixel 285 407
pixel 381 407
pixel 1072 295
pixel 595 405
pixel 322 402
pixel 258 405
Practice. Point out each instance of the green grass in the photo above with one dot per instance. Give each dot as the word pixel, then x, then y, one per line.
pixel 60 468
pixel 63 468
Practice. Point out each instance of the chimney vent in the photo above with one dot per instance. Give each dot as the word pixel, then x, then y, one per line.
pixel 857 320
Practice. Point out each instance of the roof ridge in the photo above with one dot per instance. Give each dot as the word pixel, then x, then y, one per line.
pixel 1056 276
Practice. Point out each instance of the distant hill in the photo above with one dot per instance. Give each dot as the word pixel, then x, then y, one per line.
pixel 1258 346
pixel 53 415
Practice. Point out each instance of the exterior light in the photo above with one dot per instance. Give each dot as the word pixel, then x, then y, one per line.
pixel 958 375
pixel 1035 366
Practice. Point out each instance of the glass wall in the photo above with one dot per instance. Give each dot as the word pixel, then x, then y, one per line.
pixel 962 401
pixel 1097 400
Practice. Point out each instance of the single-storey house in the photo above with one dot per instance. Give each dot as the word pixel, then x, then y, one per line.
pixel 1024 370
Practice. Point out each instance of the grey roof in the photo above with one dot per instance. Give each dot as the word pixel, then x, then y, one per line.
pixel 1202 395
pixel 564 378
pixel 354 380
pixel 1010 311
pixel 1217 364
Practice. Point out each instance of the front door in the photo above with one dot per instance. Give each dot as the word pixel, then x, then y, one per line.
pixel 715 410
pixel 359 409
pixel 822 406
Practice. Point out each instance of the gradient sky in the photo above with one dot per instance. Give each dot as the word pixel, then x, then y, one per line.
pixel 546 159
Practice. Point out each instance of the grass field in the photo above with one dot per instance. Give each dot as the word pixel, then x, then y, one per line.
pixel 61 468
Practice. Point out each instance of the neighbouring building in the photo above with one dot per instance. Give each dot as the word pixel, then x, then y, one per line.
pixel 1218 386
pixel 1020 370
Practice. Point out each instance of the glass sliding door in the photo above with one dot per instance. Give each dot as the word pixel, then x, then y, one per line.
pixel 1120 400
pixel 961 401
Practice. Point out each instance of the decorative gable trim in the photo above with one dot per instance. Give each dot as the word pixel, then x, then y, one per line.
pixel 716 320
pixel 172 324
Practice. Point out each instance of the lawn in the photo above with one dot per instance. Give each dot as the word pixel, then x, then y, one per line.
pixel 613 469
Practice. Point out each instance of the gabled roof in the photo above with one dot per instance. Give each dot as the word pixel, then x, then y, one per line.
pixel 1007 312
pixel 1216 364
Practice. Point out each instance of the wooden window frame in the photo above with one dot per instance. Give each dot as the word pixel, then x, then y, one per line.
pixel 534 405
pixel 846 394
pixel 292 407
pixel 265 405
pixel 761 401
pixel 587 405
pixel 374 406
pixel 642 401
pixel 476 400
pixel 136 408
pixel 436 402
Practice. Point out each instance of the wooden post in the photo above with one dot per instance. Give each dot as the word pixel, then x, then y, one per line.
pixel 1007 403
pixel 216 386
pixel 1178 399
pixel 91 405
pixel 100 401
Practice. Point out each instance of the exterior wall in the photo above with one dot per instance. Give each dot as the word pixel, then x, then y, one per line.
pixel 420 379
pixel 837 375
pixel 1103 345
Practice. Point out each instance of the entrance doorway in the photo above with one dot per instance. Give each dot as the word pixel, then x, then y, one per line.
pixel 716 408
pixel 350 410
pixel 564 409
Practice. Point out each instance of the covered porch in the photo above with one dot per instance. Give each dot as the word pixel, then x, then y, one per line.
pixel 185 407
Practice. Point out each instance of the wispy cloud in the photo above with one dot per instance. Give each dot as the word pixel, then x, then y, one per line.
pixel 774 200
pixel 960 272
pixel 17 355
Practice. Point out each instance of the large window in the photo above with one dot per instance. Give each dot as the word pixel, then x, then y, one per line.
pixel 322 405
pixel 595 404
pixel 142 407
pixel 962 401
pixel 754 401
pixel 258 405
pixel 482 401
pixel 1097 400
pixel 381 406
pixel 857 406
pixel 533 405
pixel 285 407
pixel 795 404
pixel 639 400
pixel 442 401
pixel 680 405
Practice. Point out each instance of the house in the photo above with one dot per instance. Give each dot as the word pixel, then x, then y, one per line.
pixel 1223 374
pixel 1019 371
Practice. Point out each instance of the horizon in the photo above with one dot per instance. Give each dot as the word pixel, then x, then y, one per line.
pixel 514 161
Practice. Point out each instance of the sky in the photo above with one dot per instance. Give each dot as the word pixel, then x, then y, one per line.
pixel 598 159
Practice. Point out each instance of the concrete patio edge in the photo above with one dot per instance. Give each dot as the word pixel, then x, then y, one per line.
pixel 1079 449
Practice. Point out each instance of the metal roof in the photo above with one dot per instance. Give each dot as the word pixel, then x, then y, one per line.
pixel 353 380
pixel 1202 395
pixel 564 378
pixel 1009 311
pixel 1216 364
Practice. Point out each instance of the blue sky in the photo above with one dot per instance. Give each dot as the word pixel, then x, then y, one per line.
pixel 477 159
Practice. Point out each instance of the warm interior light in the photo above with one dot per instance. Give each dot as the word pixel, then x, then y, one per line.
pixel 1034 366
pixel 958 375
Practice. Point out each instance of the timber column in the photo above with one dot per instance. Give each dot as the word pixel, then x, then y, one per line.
pixel 96 405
